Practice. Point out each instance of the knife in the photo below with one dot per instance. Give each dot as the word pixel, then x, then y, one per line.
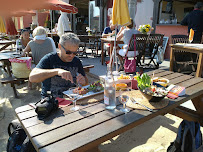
pixel 136 102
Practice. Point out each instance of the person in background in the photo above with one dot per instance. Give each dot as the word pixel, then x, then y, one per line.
pixel 22 42
pixel 39 47
pixel 109 31
pixel 61 70
pixel 194 20
pixel 126 34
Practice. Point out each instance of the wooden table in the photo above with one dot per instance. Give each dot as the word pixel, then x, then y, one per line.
pixel 90 126
pixel 111 41
pixel 4 58
pixel 193 48
pixel 5 44
pixel 94 38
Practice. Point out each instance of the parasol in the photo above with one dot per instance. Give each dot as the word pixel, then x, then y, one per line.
pixel 120 16
pixel 58 5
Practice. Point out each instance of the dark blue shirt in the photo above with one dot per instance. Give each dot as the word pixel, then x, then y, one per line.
pixel 56 84
pixel 107 30
pixel 194 20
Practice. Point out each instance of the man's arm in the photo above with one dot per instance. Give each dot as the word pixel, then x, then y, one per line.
pixel 38 75
pixel 26 50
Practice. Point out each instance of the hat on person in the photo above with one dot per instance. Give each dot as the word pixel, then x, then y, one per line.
pixel 198 5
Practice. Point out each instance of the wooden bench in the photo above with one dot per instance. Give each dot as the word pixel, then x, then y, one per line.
pixel 12 80
pixel 87 67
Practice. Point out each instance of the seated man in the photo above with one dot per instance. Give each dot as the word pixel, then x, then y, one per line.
pixel 58 71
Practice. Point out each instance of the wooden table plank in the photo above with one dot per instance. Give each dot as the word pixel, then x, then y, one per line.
pixel 60 112
pixel 101 130
pixel 64 120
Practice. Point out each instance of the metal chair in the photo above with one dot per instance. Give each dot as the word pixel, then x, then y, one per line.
pixel 185 62
pixel 153 43
pixel 140 41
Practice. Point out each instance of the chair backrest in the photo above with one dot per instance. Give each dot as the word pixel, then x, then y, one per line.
pixel 139 40
pixel 179 39
pixel 155 39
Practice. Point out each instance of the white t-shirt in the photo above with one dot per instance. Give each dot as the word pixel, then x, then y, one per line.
pixel 127 34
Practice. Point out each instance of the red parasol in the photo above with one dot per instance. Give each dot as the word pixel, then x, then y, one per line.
pixel 22 13
pixel 7 6
pixel 58 5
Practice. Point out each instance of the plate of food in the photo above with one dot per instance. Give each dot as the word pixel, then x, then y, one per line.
pixel 153 93
pixel 87 91
pixel 162 81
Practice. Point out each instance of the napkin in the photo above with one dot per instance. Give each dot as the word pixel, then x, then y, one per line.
pixel 63 102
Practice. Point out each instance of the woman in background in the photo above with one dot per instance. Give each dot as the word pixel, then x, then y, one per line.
pixel 22 42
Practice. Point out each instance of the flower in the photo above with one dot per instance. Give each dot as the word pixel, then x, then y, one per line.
pixel 144 28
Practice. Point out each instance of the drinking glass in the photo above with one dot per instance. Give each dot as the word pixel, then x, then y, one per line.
pixel 123 99
pixel 74 96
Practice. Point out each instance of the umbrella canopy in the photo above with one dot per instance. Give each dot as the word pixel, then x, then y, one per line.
pixel 7 6
pixel 58 5
pixel 22 13
pixel 120 15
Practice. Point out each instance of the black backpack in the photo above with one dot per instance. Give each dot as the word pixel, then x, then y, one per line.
pixel 18 140
pixel 189 137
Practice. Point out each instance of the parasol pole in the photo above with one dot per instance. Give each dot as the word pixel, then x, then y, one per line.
pixel 115 54
pixel 51 23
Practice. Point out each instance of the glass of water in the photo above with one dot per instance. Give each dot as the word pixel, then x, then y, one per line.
pixel 74 94
pixel 123 99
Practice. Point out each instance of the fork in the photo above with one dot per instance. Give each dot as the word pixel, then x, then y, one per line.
pixel 136 102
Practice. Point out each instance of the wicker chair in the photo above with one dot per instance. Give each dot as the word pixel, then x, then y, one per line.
pixel 185 62
pixel 140 41
pixel 153 42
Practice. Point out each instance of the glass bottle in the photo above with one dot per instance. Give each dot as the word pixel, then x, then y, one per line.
pixel 19 47
pixel 109 90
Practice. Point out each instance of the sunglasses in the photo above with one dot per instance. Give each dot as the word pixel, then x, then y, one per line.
pixel 69 52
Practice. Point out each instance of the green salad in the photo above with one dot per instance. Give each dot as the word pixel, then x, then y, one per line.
pixel 144 81
pixel 96 86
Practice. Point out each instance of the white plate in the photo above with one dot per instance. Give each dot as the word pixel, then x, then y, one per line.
pixel 90 93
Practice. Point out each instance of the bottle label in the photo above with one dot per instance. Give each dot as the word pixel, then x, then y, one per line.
pixel 106 100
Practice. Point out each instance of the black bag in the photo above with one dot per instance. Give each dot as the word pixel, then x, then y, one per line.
pixel 189 137
pixel 45 106
pixel 18 140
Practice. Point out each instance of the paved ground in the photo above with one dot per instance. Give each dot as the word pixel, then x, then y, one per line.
pixel 8 103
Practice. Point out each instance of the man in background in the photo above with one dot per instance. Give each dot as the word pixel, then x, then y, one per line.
pixel 194 20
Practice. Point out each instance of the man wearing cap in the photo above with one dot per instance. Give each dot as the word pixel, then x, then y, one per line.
pixel 194 20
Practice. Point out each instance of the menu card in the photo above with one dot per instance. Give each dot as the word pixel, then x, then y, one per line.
pixel 175 91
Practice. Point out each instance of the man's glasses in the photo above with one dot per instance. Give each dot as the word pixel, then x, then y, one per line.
pixel 69 52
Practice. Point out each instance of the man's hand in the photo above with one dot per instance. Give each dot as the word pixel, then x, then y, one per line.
pixel 81 80
pixel 65 75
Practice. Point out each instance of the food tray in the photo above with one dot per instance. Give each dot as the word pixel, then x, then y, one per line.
pixel 89 94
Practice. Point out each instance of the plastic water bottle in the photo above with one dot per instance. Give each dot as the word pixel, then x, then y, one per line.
pixel 109 90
